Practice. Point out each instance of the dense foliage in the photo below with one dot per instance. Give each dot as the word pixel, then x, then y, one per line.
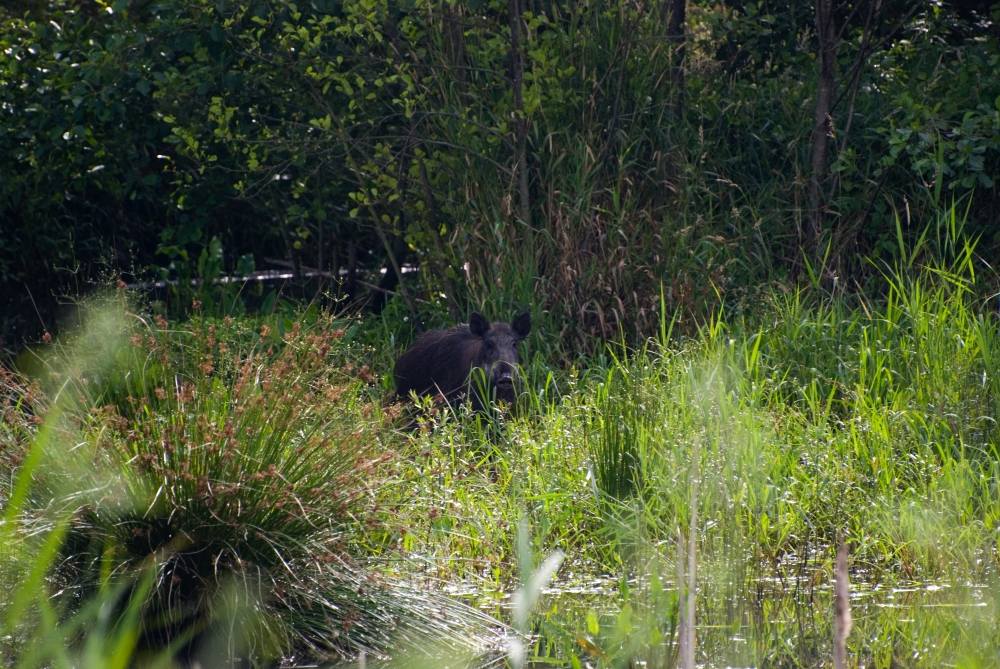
pixel 577 162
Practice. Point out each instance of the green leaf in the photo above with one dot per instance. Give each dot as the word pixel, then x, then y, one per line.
pixel 593 625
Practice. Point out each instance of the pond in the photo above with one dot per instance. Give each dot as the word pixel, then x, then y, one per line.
pixel 762 621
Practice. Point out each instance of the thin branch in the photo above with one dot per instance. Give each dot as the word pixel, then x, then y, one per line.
pixel 520 120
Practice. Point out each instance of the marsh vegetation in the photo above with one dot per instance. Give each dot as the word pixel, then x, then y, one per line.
pixel 240 487
pixel 755 418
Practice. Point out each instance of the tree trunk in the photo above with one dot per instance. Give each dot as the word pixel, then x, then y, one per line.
pixel 841 608
pixel 352 270
pixel 676 24
pixel 520 121
pixel 453 35
pixel 434 215
pixel 826 37
pixel 687 569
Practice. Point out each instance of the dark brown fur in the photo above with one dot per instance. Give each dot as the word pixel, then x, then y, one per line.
pixel 441 361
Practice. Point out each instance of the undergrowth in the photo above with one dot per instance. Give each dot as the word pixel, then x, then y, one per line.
pixel 180 472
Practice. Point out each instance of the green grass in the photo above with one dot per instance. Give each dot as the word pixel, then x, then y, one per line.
pixel 250 469
pixel 823 416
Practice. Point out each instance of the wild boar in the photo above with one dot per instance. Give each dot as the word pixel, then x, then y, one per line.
pixel 442 361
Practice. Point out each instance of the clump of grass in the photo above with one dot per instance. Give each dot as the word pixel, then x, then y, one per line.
pixel 37 627
pixel 240 476
pixel 623 426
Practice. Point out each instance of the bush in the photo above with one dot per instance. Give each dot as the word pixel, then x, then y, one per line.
pixel 196 139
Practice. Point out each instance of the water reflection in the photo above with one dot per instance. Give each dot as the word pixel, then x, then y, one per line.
pixel 765 621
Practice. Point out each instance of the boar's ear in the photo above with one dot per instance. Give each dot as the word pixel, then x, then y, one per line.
pixel 522 324
pixel 478 324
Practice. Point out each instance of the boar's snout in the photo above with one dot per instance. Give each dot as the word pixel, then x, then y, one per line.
pixel 503 383
pixel 503 375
